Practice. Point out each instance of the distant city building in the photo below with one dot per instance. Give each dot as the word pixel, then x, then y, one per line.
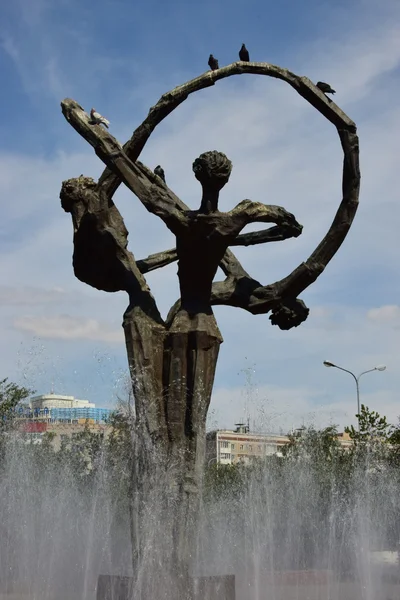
pixel 62 416
pixel 344 439
pixel 228 446
pixel 34 430
pixel 58 401
pixel 52 409
pixel 56 408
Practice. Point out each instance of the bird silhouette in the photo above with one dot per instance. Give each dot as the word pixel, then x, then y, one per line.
pixel 325 87
pixel 98 119
pixel 213 63
pixel 160 172
pixel 244 54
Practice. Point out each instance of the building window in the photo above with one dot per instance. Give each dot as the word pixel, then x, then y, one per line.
pixel 249 447
pixel 225 456
pixel 232 446
pixel 241 447
pixel 224 444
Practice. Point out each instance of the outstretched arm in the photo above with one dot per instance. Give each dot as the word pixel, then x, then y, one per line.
pixel 247 212
pixel 151 191
pixel 278 233
pixel 228 225
pixel 272 234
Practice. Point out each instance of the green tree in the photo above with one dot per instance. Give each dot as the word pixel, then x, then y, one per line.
pixel 314 443
pixel 221 480
pixel 120 456
pixel 11 395
pixel 83 451
pixel 373 428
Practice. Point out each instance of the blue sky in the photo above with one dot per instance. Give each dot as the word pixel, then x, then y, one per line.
pixel 121 57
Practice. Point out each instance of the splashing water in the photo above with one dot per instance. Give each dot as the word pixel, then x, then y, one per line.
pixel 290 529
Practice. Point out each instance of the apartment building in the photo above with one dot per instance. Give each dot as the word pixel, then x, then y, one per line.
pixel 227 447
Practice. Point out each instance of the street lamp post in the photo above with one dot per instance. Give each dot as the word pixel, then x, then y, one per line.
pixel 356 378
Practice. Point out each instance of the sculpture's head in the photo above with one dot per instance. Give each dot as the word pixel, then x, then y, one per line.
pixel 76 191
pixel 212 169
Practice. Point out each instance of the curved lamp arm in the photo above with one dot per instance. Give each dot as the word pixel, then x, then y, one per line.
pixel 328 363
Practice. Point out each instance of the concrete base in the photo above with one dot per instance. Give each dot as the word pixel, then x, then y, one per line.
pixel 219 587
pixel 114 587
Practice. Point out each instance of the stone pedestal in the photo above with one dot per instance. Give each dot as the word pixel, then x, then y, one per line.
pixel 218 587
pixel 114 587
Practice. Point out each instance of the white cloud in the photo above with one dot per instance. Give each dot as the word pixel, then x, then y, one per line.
pixel 389 314
pixel 359 60
pixel 26 296
pixel 65 327
pixel 281 409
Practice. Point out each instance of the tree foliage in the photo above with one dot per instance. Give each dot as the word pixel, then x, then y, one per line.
pixel 222 480
pixel 11 395
pixel 314 443
pixel 372 427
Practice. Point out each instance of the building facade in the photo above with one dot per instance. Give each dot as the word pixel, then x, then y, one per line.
pixel 34 432
pixel 228 447
pixel 61 416
pixel 56 408
pixel 58 401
